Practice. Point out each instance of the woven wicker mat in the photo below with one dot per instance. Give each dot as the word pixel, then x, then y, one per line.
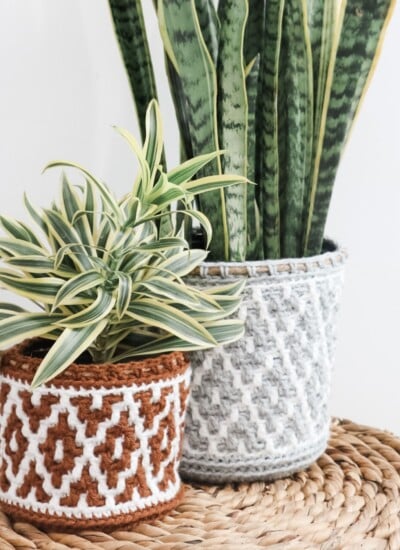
pixel 349 499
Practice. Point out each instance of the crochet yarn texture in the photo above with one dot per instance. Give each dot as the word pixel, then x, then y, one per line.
pixel 259 407
pixel 103 451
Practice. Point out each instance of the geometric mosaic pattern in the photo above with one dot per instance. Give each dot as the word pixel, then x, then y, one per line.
pixel 259 407
pixel 91 453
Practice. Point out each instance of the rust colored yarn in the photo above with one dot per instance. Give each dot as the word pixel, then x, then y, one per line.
pixel 349 499
pixel 98 446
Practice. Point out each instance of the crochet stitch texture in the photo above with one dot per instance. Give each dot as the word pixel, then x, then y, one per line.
pixel 99 452
pixel 259 407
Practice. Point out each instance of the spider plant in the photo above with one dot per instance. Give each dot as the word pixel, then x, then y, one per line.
pixel 107 276
pixel 277 84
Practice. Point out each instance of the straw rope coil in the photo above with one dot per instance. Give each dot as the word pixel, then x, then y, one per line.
pixel 348 500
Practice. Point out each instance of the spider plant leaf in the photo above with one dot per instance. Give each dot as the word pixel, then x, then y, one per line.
pixel 209 183
pixel 161 315
pixel 197 73
pixel 124 293
pixel 227 306
pixel 40 265
pixel 253 38
pixel 77 285
pixel 25 325
pixel 17 248
pixel 268 128
pixel 105 193
pixel 183 263
pixel 18 230
pixel 65 234
pixel 209 25
pixel 68 347
pixel 360 40
pixel 232 111
pixel 131 32
pixel 185 171
pixel 181 294
pixel 163 244
pixel 222 332
pixel 94 313
pixel 143 181
pixel 254 242
pixel 295 124
pixel 153 145
pixel 40 290
pixel 34 213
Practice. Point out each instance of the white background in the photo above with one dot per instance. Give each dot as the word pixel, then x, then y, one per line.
pixel 62 87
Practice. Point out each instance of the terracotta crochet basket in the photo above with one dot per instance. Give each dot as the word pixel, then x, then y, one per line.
pixel 98 446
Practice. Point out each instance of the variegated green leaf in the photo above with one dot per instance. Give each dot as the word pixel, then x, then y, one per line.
pixel 94 313
pixel 41 290
pixel 183 263
pixel 209 25
pixel 131 32
pixel 359 45
pixel 253 38
pixel 170 319
pixel 295 124
pixel 185 171
pixel 68 347
pixel 25 325
pixel 18 230
pixel 233 115
pixel 124 292
pixel 77 285
pixel 268 128
pixel 209 183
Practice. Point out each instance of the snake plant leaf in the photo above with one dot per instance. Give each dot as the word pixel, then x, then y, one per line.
pixel 98 310
pixel 18 230
pixel 170 319
pixel 232 113
pixel 131 32
pixel 253 38
pixel 77 285
pixel 295 124
pixel 185 171
pixel 361 36
pixel 197 73
pixel 209 25
pixel 25 325
pixel 254 241
pixel 268 128
pixel 68 347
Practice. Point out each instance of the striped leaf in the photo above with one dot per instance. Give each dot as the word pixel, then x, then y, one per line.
pixel 153 145
pixel 253 38
pixel 40 265
pixel 98 310
pixel 268 128
pixel 131 33
pixel 41 290
pixel 209 183
pixel 75 286
pixel 124 292
pixel 180 294
pixel 295 124
pixel 361 35
pixel 68 347
pixel 17 248
pixel 18 230
pixel 209 25
pixel 25 325
pixel 171 320
pixel 183 263
pixel 181 29
pixel 70 205
pixel 185 171
pixel 232 113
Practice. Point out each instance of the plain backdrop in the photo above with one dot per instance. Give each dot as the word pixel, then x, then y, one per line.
pixel 63 87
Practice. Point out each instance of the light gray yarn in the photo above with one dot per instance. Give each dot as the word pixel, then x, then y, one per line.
pixel 259 407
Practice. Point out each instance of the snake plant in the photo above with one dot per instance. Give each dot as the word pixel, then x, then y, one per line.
pixel 277 85
pixel 107 275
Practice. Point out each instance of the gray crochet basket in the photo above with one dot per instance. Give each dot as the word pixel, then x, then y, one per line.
pixel 259 407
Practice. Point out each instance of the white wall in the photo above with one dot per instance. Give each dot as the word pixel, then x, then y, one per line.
pixel 62 87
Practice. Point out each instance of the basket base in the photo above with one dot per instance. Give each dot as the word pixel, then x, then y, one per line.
pixel 234 470
pixel 47 521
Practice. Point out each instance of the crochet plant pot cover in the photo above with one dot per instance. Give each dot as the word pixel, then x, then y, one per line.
pixel 98 446
pixel 259 407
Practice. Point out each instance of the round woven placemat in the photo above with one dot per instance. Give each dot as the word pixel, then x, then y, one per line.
pixel 349 499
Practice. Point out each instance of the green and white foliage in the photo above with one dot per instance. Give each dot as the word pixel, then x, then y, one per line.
pixel 107 277
pixel 276 84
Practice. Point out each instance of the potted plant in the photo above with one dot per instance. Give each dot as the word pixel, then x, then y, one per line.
pixel 98 443
pixel 277 85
